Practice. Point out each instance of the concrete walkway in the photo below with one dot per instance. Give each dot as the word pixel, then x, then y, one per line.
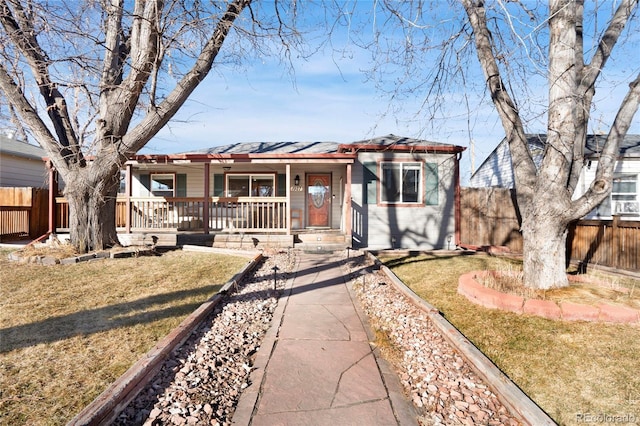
pixel 315 366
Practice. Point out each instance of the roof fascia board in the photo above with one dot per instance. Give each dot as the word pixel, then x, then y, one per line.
pixel 333 157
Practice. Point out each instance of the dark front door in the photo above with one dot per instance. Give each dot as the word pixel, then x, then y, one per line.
pixel 318 199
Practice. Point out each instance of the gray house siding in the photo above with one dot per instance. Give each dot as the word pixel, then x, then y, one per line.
pixel 424 226
pixel 21 164
pixel 22 172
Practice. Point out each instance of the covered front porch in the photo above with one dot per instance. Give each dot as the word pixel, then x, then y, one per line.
pixel 231 194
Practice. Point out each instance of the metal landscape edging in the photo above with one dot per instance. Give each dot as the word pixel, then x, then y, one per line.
pixel 518 403
pixel 107 406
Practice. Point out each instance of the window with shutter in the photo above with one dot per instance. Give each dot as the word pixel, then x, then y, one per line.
pixel 401 183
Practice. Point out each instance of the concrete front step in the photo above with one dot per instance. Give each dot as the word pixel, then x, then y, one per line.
pixel 247 241
pixel 155 239
pixel 322 238
pixel 321 247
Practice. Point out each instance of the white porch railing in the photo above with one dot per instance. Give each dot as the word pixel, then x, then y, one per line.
pixel 245 214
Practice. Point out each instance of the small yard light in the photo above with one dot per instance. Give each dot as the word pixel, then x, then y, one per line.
pixel 275 277
pixel 448 242
pixel 296 180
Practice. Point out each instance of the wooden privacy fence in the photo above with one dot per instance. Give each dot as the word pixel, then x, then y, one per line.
pixel 490 218
pixel 23 212
pixel 614 243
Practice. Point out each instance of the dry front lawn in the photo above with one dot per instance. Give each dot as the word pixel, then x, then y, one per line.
pixel 68 331
pixel 568 368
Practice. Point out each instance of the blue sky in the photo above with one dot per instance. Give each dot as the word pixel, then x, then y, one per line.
pixel 330 100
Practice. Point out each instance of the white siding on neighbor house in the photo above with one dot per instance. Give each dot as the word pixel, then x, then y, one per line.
pixel 496 171
pixel 627 166
pixel 422 227
pixel 22 172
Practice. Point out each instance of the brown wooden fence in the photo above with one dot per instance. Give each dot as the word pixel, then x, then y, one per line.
pixel 490 218
pixel 614 243
pixel 23 212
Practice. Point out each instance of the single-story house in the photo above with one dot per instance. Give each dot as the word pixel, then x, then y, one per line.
pixel 497 171
pixel 385 192
pixel 21 164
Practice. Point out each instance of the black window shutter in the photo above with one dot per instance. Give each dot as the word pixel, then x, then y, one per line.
pixel 282 186
pixel 431 184
pixel 218 185
pixel 181 185
pixel 145 181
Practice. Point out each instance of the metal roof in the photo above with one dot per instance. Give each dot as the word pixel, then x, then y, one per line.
pixel 378 143
pixel 272 148
pixel 391 140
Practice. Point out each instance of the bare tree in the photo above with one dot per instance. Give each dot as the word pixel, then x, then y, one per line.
pixel 94 81
pixel 545 193
pixel 522 47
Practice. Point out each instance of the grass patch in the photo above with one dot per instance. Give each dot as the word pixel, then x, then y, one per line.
pixel 68 331
pixel 567 368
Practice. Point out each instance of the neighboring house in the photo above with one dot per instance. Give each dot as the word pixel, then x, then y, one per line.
pixel 386 192
pixel 497 171
pixel 21 164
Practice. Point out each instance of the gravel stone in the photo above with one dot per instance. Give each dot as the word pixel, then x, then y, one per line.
pixel 455 394
pixel 201 382
pixel 203 379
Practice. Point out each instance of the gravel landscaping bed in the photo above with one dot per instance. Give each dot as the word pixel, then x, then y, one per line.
pixel 201 383
pixel 443 387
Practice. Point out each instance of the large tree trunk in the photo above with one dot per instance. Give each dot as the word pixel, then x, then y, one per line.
pixel 544 248
pixel 92 207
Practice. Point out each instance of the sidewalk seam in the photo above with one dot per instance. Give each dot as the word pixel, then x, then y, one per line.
pixel 397 398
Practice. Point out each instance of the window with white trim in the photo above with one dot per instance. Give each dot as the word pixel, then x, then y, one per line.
pixel 401 183
pixel 163 184
pixel 624 195
pixel 623 200
pixel 250 185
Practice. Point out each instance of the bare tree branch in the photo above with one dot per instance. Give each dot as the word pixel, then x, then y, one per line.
pixel 18 28
pixel 523 164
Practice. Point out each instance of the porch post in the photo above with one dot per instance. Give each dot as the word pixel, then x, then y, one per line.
pixel 205 207
pixel 53 191
pixel 347 205
pixel 288 208
pixel 128 192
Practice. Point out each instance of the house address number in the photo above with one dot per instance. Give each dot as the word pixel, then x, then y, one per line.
pixel 296 189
